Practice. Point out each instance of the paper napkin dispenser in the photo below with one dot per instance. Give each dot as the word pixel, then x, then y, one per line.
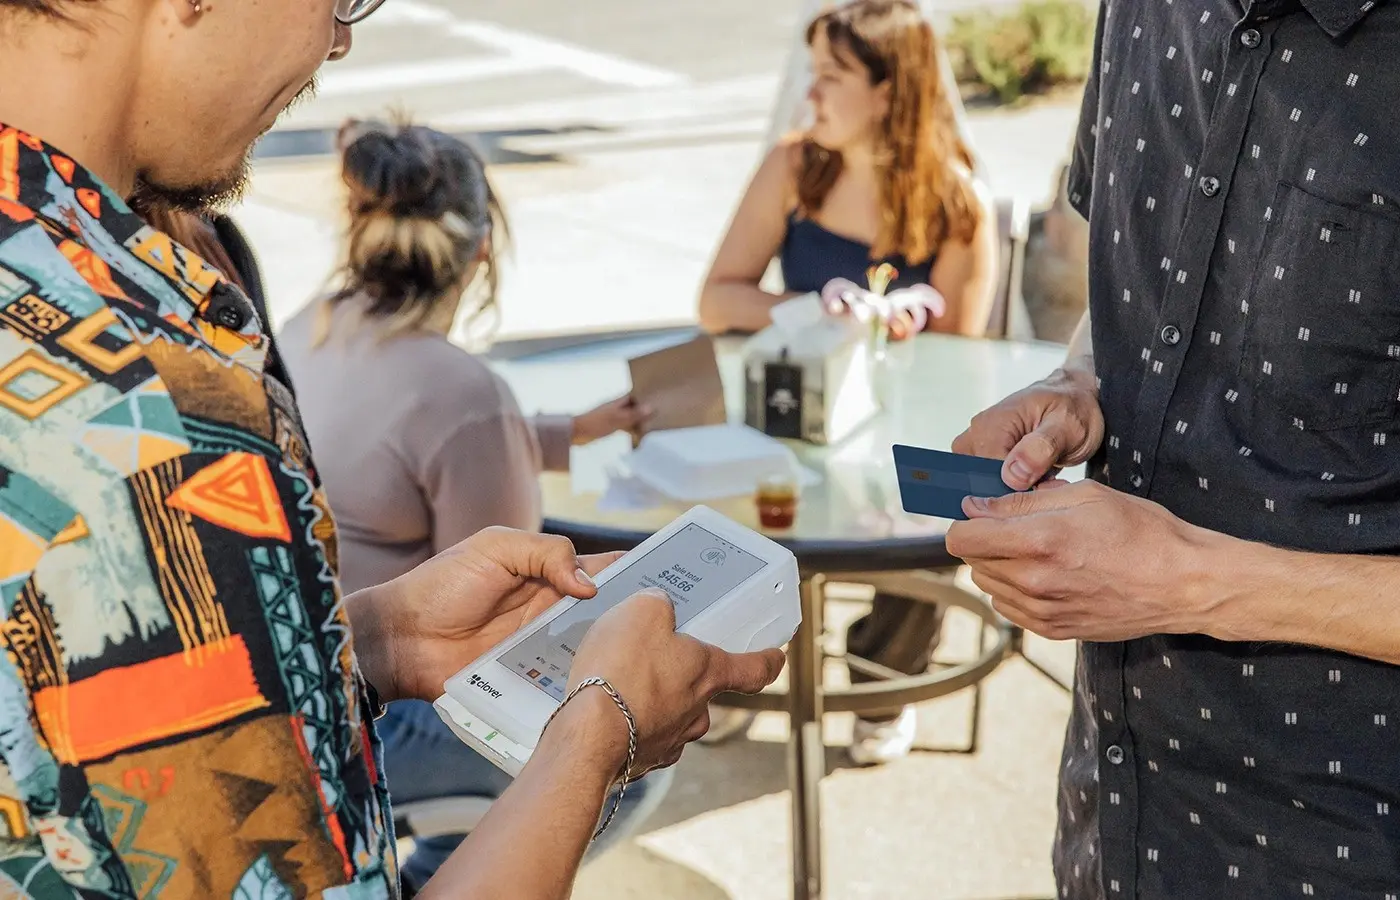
pixel 808 376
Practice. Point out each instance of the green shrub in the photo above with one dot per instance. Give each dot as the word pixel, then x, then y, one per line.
pixel 1024 51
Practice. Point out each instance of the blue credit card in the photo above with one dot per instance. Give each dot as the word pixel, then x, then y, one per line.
pixel 934 483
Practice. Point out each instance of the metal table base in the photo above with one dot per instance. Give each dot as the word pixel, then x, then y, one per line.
pixel 807 699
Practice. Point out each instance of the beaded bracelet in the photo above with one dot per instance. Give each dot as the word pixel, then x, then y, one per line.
pixel 631 741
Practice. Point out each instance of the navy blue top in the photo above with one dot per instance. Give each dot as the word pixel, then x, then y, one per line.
pixel 811 256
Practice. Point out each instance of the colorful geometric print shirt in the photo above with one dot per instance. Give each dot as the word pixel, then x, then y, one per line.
pixel 180 711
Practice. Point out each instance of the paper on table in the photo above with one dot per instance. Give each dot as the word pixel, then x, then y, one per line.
pixel 628 493
pixel 680 384
pixel 791 316
pixel 803 329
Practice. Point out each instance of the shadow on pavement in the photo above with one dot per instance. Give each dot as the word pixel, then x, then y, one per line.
pixel 632 872
pixel 716 778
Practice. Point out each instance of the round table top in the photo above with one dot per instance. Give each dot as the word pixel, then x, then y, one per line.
pixel 852 520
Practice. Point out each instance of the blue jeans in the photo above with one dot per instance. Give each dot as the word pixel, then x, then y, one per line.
pixel 424 760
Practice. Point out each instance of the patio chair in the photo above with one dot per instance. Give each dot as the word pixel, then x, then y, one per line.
pixel 440 816
pixel 1009 318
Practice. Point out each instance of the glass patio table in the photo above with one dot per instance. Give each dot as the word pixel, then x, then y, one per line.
pixel 850 523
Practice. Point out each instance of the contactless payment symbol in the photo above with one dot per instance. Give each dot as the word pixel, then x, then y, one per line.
pixel 714 556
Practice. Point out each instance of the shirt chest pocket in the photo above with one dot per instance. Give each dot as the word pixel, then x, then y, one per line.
pixel 1322 347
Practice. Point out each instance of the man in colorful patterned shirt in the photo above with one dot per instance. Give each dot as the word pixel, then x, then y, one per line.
pixel 181 710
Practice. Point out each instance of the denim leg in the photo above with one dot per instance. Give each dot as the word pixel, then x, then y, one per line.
pixel 638 803
pixel 424 760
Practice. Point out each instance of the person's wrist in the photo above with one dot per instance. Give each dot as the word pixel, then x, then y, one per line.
pixel 371 624
pixel 1075 377
pixel 589 727
pixel 1218 577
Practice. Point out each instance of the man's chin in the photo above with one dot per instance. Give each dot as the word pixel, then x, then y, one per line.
pixel 152 192
pixel 195 197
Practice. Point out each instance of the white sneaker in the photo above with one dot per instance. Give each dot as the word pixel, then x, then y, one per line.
pixel 725 723
pixel 877 743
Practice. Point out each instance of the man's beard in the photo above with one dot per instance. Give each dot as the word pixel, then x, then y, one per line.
pixel 214 194
pixel 206 196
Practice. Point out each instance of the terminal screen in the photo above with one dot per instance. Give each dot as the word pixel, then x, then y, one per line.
pixel 694 567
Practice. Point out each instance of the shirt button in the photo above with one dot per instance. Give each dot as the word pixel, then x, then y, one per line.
pixel 1115 755
pixel 1210 185
pixel 230 317
pixel 1251 38
pixel 1171 335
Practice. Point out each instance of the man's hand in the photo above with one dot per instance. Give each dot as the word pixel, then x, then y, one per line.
pixel 1050 425
pixel 666 679
pixel 418 630
pixel 1085 561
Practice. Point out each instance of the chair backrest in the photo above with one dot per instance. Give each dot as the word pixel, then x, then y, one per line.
pixel 1008 313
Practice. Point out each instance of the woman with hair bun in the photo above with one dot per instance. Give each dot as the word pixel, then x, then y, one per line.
pixel 418 442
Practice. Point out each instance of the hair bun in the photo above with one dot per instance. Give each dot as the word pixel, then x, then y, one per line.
pixel 396 173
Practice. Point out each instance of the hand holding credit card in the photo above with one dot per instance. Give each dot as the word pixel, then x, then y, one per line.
pixel 934 482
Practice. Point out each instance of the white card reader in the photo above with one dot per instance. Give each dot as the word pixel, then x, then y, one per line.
pixel 732 588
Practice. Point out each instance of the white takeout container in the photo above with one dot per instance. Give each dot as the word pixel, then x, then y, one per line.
pixel 710 461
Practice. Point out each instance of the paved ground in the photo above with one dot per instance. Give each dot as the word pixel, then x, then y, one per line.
pixel 939 825
pixel 449 55
pixel 623 132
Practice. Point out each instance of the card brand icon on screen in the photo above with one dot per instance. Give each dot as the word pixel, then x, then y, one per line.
pixel 483 685
pixel 714 556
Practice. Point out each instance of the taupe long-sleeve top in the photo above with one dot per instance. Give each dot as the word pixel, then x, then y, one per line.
pixel 418 442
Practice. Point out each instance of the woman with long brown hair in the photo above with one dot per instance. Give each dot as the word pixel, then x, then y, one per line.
pixel 883 174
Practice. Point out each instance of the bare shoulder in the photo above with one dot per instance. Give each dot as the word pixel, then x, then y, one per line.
pixel 780 167
pixel 979 186
pixel 983 198
pixel 788 150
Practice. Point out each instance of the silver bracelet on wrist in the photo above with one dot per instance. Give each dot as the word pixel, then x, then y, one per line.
pixel 631 741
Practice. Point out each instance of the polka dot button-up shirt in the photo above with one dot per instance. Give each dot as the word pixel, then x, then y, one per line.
pixel 1239 163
